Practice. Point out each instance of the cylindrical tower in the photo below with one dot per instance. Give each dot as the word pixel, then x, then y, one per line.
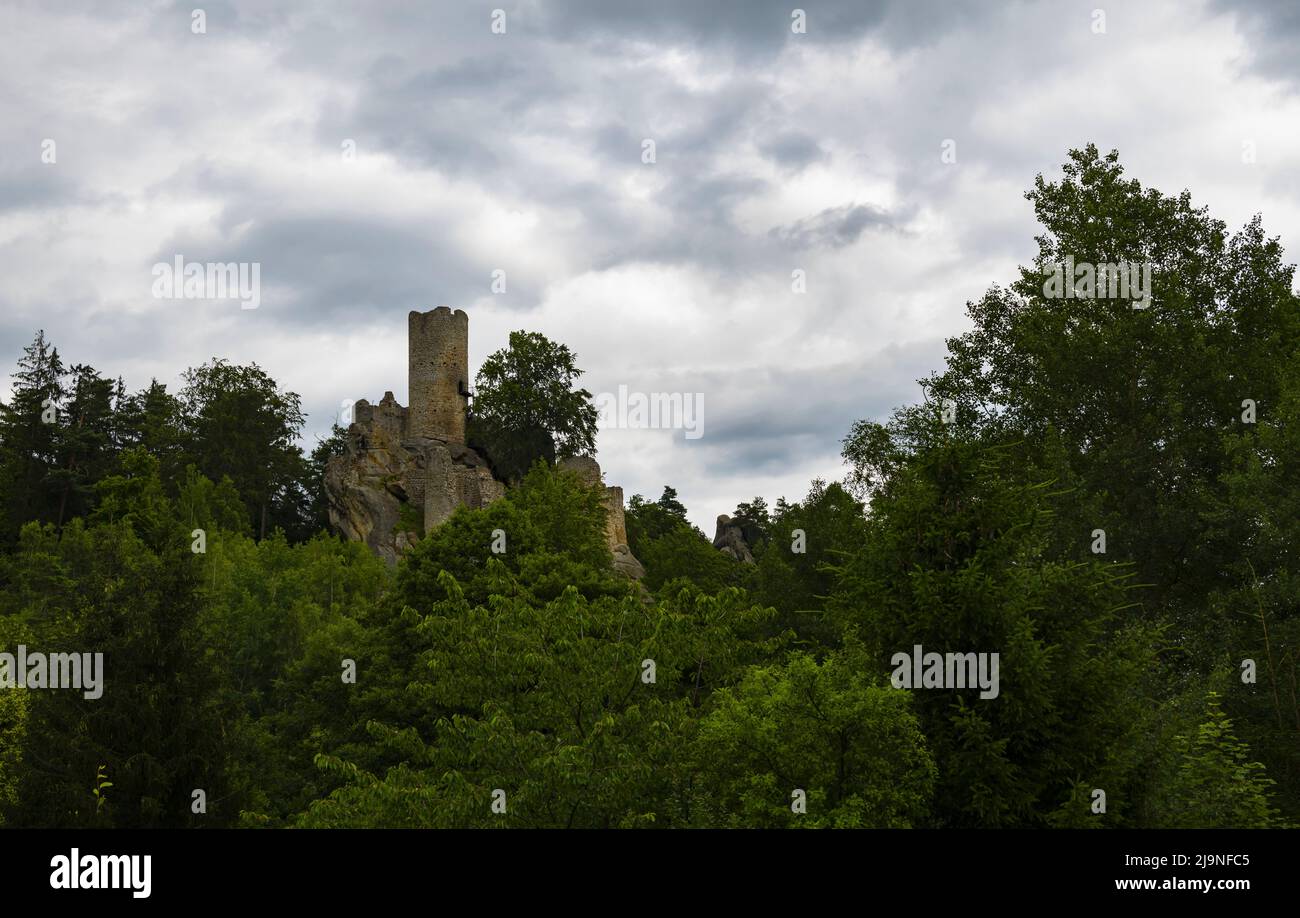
pixel 438 373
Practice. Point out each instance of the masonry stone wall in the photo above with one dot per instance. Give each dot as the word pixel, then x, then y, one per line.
pixel 437 373
pixel 387 416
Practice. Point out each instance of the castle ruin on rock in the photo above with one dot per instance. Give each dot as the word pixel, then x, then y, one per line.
pixel 405 470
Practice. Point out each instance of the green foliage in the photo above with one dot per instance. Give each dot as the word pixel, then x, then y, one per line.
pixel 325 450
pixel 755 523
pixel 648 520
pixel 954 561
pixel 65 432
pixel 204 656
pixel 853 747
pixel 798 569
pixel 241 425
pixel 552 526
pixel 1136 417
pixel 281 618
pixel 13 721
pixel 685 555
pixel 1216 784
pixel 100 790
pixel 410 518
pixel 547 702
pixel 1255 609
pixel 153 419
pixel 505 655
pixel 1145 403
pixel 29 442
pixel 86 442
pixel 157 725
pixel 526 408
pixel 672 550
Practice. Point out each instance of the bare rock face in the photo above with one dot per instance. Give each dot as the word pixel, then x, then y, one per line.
pixel 626 563
pixel 387 490
pixel 730 539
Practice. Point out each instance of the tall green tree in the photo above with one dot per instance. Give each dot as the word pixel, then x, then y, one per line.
pixel 815 746
pixel 87 442
pixel 326 449
pixel 1138 400
pixel 153 418
pixel 1163 425
pixel 240 424
pixel 30 435
pixel 808 542
pixel 755 522
pixel 955 561
pixel 127 589
pixel 526 406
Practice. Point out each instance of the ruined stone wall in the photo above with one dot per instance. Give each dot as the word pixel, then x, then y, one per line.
pixel 437 371
pixel 387 417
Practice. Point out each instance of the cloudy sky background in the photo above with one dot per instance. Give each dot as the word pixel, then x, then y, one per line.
pixel 522 152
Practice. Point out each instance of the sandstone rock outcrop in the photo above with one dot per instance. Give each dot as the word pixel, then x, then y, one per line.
pixel 615 522
pixel 387 489
pixel 730 539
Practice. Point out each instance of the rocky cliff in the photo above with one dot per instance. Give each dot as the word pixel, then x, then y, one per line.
pixel 387 488
pixel 615 522
pixel 730 539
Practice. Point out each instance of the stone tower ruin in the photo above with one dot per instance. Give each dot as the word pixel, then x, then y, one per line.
pixel 438 373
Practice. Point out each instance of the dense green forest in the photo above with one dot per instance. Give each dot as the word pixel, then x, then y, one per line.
pixel 296 681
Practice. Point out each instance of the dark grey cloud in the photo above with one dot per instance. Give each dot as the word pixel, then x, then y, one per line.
pixel 835 227
pixel 1273 29
pixel 326 271
pixel 752 27
pixel 760 416
pixel 793 150
pixel 36 184
pixel 450 118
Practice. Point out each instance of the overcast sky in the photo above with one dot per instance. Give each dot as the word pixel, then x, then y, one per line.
pixel 522 152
